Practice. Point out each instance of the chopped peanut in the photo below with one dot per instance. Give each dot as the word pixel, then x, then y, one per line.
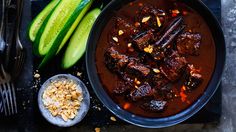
pixel 156 70
pixel 36 75
pixel 120 32
pixel 148 49
pixel 97 129
pixel 129 45
pixel 158 21
pixel 112 118
pixel 145 19
pixel 63 98
pixel 115 39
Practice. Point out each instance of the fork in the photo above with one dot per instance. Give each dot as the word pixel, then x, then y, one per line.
pixel 2 29
pixel 20 52
pixel 7 90
pixel 2 43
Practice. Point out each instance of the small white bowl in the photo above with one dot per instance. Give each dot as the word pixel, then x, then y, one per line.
pixel 82 111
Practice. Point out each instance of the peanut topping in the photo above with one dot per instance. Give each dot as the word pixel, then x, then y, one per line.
pixel 120 32
pixel 129 45
pixel 36 75
pixel 145 19
pixel 112 118
pixel 148 49
pixel 115 39
pixel 63 98
pixel 97 129
pixel 158 21
pixel 156 70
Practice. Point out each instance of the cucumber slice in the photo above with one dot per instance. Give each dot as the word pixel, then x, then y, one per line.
pixel 57 22
pixel 75 24
pixel 78 41
pixel 40 19
pixel 59 25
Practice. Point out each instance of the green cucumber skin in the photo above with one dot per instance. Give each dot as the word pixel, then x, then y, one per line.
pixel 78 41
pixel 40 32
pixel 65 10
pixel 53 50
pixel 49 8
pixel 73 27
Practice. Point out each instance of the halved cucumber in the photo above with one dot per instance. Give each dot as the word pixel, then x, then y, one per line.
pixel 40 19
pixel 75 24
pixel 59 22
pixel 78 41
pixel 60 26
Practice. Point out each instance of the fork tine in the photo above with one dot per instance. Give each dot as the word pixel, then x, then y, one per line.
pixel 9 92
pixel 1 106
pixel 3 100
pixel 5 92
pixel 14 97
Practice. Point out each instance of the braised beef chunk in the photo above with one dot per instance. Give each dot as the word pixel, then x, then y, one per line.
pixel 143 39
pixel 151 17
pixel 114 60
pixel 157 79
pixel 189 43
pixel 173 66
pixel 155 105
pixel 122 87
pixel 194 78
pixel 126 27
pixel 166 92
pixel 137 68
pixel 126 77
pixel 143 91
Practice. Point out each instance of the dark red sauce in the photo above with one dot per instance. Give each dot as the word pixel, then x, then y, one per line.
pixel 205 60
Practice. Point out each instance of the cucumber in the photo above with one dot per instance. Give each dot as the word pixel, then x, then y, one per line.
pixel 58 24
pixel 78 41
pixel 75 24
pixel 62 22
pixel 40 19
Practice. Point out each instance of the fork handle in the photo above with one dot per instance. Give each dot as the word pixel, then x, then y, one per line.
pixel 2 29
pixel 19 7
pixel 2 19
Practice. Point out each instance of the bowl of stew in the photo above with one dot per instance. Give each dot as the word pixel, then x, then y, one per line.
pixel 155 63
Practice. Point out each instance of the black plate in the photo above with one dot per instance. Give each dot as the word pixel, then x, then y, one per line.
pixel 155 122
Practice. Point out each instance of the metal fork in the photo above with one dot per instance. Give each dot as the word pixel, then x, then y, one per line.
pixel 2 29
pixel 7 90
pixel 20 52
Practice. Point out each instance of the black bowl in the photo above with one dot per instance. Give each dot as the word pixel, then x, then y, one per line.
pixel 155 122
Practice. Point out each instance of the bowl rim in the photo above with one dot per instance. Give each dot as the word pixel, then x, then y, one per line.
pixel 164 121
